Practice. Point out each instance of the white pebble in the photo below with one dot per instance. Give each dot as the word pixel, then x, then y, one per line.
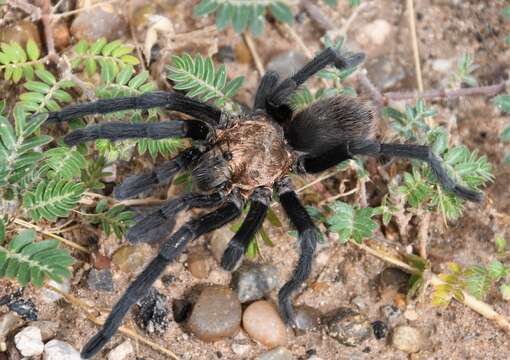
pixel 122 351
pixel 49 296
pixel 60 350
pixel 29 341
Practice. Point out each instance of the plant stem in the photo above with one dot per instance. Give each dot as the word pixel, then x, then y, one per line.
pixel 414 41
pixel 480 307
pixel 50 234
pixel 490 90
pixel 253 49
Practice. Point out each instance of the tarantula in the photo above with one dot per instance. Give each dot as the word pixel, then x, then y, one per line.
pixel 237 159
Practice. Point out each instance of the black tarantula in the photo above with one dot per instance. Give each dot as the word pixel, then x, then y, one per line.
pixel 236 159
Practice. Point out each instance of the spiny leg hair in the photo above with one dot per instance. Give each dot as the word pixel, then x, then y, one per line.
pixel 169 100
pixel 159 223
pixel 418 152
pixel 266 86
pixel 194 129
pixel 237 246
pixel 308 237
pixel 136 184
pixel 169 250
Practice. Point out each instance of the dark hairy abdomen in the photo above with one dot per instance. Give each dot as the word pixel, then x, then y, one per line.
pixel 329 122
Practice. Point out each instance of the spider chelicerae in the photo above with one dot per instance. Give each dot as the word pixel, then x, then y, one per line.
pixel 237 159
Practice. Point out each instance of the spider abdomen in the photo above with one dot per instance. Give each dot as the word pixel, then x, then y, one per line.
pixel 258 151
pixel 328 123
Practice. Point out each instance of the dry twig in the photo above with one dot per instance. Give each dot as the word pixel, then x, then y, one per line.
pixel 253 49
pixel 414 41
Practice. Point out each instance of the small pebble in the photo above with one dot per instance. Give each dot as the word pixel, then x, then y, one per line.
pixel 50 296
pixel 48 328
pixel 8 322
pixel 442 66
pixel 122 351
pixel 280 353
pixel 219 242
pixel 359 302
pixel 226 54
pixel 262 322
pixel 100 261
pixel 152 314
pixel 254 281
pixel 391 313
pixel 380 329
pixel 23 307
pixel 307 318
pixel 100 280
pixel 29 341
pixel 411 315
pixel 407 339
pixel 61 35
pixel 98 22
pixel 287 63
pixel 216 314
pixel 198 264
pixel 374 33
pixel 129 258
pixel 60 350
pixel 240 349
pixel 347 326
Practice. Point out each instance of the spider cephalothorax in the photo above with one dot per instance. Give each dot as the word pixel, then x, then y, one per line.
pixel 237 159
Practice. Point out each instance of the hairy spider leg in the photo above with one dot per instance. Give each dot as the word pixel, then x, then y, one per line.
pixel 113 131
pixel 265 88
pixel 276 102
pixel 159 223
pixel 237 246
pixel 169 100
pixel 418 152
pixel 162 174
pixel 314 164
pixel 169 250
pixel 308 235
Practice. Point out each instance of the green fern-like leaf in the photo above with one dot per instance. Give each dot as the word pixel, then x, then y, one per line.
pixel 52 199
pixel 47 94
pixel 63 163
pixel 243 14
pixel 17 63
pixel 110 57
pixel 352 222
pixel 116 219
pixel 29 261
pixel 199 78
pixel 19 152
pixel 127 83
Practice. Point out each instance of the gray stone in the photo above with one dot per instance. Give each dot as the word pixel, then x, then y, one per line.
pixel 391 313
pixel 29 341
pixel 407 339
pixel 98 22
pixel 216 314
pixel 347 326
pixel 375 33
pixel 8 322
pixel 254 281
pixel 48 328
pixel 280 353
pixel 59 350
pixel 100 280
pixel 122 351
pixel 442 66
pixel 287 63
pixel 307 318
pixel 384 73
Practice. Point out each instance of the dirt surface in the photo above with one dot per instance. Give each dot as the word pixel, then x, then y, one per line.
pixel 445 30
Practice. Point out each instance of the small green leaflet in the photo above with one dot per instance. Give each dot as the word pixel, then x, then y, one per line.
pixel 352 222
